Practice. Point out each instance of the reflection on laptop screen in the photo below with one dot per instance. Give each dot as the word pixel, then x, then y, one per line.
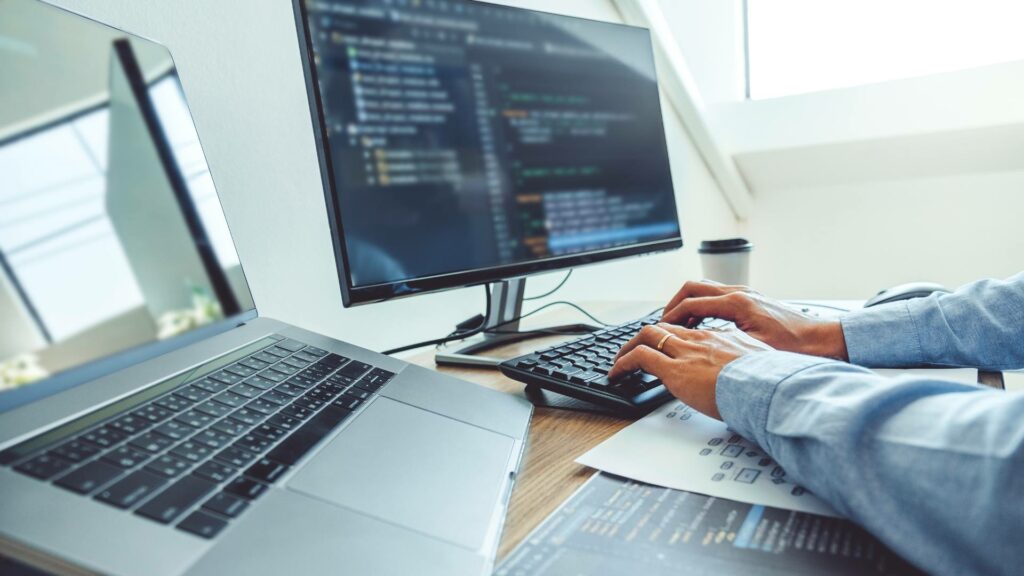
pixel 111 231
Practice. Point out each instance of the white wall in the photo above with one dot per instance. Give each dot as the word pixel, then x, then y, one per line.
pixel 240 68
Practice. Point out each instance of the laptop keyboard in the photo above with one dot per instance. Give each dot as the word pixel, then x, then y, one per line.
pixel 197 453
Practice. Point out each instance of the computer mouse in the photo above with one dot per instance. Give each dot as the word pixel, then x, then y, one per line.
pixel 906 292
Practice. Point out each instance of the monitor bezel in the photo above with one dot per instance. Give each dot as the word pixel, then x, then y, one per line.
pixel 353 295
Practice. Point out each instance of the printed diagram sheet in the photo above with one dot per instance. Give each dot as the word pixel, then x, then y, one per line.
pixel 677 447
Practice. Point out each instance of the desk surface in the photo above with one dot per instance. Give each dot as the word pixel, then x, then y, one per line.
pixel 549 473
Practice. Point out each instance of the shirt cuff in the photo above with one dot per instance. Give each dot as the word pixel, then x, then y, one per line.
pixel 745 388
pixel 883 336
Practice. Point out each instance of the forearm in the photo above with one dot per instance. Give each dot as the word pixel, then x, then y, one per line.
pixel 923 464
pixel 981 325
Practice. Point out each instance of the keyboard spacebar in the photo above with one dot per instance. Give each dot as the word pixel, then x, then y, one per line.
pixel 294 447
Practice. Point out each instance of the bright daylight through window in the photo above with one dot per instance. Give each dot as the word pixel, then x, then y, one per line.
pixel 798 46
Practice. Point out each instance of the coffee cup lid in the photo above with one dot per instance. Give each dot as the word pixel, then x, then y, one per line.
pixel 725 246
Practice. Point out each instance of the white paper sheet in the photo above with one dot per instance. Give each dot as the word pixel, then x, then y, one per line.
pixel 677 447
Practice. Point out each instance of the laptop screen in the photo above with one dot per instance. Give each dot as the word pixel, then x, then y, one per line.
pixel 112 235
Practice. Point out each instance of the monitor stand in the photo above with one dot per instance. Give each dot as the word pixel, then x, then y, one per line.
pixel 503 316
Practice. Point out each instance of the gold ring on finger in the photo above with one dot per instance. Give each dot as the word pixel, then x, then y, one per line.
pixel 661 343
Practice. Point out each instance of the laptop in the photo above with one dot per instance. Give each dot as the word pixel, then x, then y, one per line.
pixel 151 421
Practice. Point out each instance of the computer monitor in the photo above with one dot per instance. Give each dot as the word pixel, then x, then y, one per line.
pixel 464 143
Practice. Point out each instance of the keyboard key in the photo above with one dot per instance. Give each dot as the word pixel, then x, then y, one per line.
pixel 215 471
pixel 173 403
pixel 247 416
pixel 226 377
pixel 274 375
pixel 246 390
pixel 126 457
pixel 153 413
pixel 255 363
pixel 334 360
pixel 103 437
pixel 272 433
pixel 192 451
pixel 89 477
pixel 354 369
pixel 294 447
pixel 265 357
pixel 300 360
pixel 76 451
pixel 286 368
pixel 357 393
pixel 289 389
pixel 296 412
pixel 260 382
pixel 276 397
pixel 246 488
pixel 230 427
pixel 173 430
pixel 213 409
pixel 203 524
pixel 226 504
pixel 266 470
pixel 212 439
pixel 283 422
pixel 305 380
pixel 263 406
pixel 193 394
pixel 44 467
pixel 151 442
pixel 346 403
pixel 253 443
pixel 278 352
pixel 313 351
pixel 240 369
pixel 131 490
pixel 169 466
pixel 173 501
pixel 231 399
pixel 211 385
pixel 194 419
pixel 236 457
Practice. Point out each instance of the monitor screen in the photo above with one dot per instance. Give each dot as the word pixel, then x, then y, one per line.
pixel 464 142
pixel 112 237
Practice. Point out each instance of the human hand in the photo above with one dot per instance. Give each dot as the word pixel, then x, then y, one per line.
pixel 687 361
pixel 768 320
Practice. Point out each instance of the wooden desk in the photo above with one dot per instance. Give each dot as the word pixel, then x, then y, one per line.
pixel 549 473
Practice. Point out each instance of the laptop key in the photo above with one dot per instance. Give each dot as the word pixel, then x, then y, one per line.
pixel 126 457
pixel 283 422
pixel 173 403
pixel 173 430
pixel 211 385
pixel 246 390
pixel 263 406
pixel 246 488
pixel 289 389
pixel 44 467
pixel 294 447
pixel 226 377
pixel 194 419
pixel 203 524
pixel 354 369
pixel 153 413
pixel 236 457
pixel 291 345
pixel 180 496
pixel 226 504
pixel 151 442
pixel 192 451
pixel 253 443
pixel 230 427
pixel 193 394
pixel 76 451
pixel 103 437
pixel 131 490
pixel 269 432
pixel 255 363
pixel 314 351
pixel 215 471
pixel 169 466
pixel 266 470
pixel 260 382
pixel 89 477
pixel 212 439
pixel 231 399
pixel 277 397
pixel 240 370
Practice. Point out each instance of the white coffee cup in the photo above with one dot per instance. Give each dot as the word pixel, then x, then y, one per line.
pixel 726 261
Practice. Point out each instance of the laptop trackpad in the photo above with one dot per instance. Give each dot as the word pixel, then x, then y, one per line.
pixel 414 468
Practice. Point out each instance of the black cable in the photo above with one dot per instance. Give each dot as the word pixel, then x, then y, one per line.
pixel 553 290
pixel 456 335
pixel 549 305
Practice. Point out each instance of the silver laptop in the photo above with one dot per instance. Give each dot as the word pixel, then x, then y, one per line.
pixel 151 422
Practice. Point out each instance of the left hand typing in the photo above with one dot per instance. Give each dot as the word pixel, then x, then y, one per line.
pixel 688 362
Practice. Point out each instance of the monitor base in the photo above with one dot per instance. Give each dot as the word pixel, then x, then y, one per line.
pixel 464 354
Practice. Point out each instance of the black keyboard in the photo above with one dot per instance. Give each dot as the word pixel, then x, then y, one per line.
pixel 196 449
pixel 579 368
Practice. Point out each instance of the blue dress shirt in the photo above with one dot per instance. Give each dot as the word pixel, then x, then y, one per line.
pixel 934 469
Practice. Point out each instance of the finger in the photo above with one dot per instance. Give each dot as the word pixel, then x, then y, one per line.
pixel 693 289
pixel 647 336
pixel 642 358
pixel 691 311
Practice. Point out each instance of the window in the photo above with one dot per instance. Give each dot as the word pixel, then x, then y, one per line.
pixel 54 228
pixel 798 46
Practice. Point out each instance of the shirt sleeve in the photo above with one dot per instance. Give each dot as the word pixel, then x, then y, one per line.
pixel 980 325
pixel 933 468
